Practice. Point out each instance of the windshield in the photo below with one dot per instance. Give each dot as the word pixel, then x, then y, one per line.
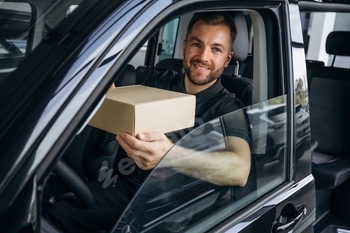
pixel 171 201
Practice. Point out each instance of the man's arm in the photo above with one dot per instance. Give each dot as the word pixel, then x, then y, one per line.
pixel 229 167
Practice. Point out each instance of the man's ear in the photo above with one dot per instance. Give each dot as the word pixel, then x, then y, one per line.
pixel 229 57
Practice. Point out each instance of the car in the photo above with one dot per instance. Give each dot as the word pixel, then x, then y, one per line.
pixel 74 51
pixel 326 32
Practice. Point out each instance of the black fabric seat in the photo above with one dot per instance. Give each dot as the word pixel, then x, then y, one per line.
pixel 329 92
pixel 170 64
pixel 330 122
pixel 242 87
pixel 329 99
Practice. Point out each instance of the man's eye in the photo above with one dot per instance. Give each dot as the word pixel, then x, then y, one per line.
pixel 217 50
pixel 196 45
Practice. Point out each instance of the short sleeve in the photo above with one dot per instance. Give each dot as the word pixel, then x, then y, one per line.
pixel 237 124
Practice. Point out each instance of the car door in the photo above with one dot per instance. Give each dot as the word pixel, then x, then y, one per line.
pixel 279 195
pixel 171 201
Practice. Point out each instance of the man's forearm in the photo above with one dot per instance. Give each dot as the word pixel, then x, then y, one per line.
pixel 221 168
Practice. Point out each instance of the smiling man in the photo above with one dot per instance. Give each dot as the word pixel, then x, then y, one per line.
pixel 207 50
pixel 206 54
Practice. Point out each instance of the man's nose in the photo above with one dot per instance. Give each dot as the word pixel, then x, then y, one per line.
pixel 204 54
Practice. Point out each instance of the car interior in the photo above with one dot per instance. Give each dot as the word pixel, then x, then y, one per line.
pixel 329 86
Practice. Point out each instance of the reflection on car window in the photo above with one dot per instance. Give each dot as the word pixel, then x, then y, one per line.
pixel 14 29
pixel 168 39
pixel 21 29
pixel 170 201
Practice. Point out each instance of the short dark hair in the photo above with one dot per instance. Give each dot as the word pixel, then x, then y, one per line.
pixel 215 18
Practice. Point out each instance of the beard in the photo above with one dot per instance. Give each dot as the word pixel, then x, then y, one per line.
pixel 198 79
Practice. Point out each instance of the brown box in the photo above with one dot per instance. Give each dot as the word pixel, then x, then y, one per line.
pixel 136 109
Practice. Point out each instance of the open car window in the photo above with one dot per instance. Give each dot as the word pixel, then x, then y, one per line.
pixel 170 201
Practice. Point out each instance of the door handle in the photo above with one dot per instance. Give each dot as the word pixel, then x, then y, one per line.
pixel 289 218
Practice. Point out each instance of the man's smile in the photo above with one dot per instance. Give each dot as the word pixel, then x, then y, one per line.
pixel 200 66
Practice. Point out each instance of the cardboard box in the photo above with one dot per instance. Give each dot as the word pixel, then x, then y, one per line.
pixel 136 109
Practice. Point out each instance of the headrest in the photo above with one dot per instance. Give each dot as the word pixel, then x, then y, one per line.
pixel 170 63
pixel 337 43
pixel 127 77
pixel 241 44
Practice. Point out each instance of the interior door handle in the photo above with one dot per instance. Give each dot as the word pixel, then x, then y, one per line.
pixel 289 218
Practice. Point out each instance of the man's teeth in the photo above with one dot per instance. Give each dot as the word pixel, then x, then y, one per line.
pixel 201 67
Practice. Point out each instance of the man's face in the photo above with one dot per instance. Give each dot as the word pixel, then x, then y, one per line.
pixel 207 51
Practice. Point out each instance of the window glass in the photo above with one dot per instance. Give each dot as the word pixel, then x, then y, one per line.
pixel 167 42
pixel 21 30
pixel 139 58
pixel 170 201
pixel 316 27
pixel 14 29
pixel 168 39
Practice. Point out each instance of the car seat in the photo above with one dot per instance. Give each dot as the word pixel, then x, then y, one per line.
pixel 241 86
pixel 329 96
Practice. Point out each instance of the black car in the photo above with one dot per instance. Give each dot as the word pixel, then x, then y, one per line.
pixel 326 33
pixel 60 58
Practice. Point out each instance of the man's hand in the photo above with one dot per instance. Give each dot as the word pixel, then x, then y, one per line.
pixel 146 149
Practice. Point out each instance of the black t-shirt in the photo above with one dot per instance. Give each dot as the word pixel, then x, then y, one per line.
pixel 211 103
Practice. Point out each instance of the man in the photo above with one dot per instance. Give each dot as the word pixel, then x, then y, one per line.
pixel 207 50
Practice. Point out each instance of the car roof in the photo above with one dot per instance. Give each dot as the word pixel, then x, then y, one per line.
pixel 325 5
pixel 327 1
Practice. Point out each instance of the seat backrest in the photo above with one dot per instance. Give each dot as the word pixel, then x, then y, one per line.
pixel 142 73
pixel 329 110
pixel 127 77
pixel 329 99
pixel 311 67
pixel 329 93
pixel 170 64
pixel 242 87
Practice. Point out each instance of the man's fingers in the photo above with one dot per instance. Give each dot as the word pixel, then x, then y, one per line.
pixel 131 141
pixel 146 149
pixel 128 143
pixel 137 160
pixel 151 136
pixel 128 149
